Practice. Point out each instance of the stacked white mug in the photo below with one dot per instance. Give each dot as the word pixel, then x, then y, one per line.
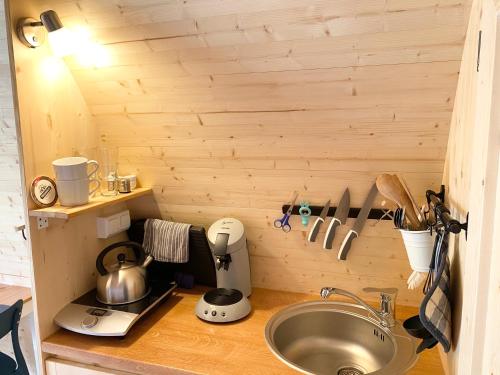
pixel 73 180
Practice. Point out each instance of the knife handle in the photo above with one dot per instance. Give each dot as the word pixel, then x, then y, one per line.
pixel 315 229
pixel 330 233
pixel 346 245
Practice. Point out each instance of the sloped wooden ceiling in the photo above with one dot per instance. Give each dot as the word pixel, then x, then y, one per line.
pixel 226 106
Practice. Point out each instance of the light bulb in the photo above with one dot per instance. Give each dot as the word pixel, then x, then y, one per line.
pixel 62 42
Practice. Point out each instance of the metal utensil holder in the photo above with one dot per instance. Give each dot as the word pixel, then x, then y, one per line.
pixel 442 213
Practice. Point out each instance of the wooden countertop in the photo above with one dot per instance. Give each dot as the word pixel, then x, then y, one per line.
pixel 172 340
pixel 9 294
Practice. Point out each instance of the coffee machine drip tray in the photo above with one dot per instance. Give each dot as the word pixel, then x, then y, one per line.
pixel 223 297
pixel 223 305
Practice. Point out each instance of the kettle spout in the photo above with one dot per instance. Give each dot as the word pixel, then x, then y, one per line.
pixel 147 261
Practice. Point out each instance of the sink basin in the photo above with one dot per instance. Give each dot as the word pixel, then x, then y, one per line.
pixel 327 337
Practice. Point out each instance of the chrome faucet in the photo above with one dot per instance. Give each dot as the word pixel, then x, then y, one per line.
pixel 387 314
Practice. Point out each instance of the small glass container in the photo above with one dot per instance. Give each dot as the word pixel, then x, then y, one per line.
pixel 124 185
pixel 108 158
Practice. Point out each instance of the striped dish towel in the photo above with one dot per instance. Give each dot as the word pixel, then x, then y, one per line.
pixel 166 241
pixel 435 310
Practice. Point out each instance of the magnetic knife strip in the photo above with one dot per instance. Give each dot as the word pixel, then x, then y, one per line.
pixel 375 213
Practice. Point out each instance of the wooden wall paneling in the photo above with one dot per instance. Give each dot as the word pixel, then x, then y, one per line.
pixel 224 108
pixel 232 22
pixel 491 347
pixel 15 267
pixel 15 252
pixel 483 198
pixel 472 175
pixel 379 49
pixel 54 122
pixel 458 146
pixel 491 358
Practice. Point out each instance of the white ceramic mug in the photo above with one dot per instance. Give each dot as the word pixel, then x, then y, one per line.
pixel 75 192
pixel 74 168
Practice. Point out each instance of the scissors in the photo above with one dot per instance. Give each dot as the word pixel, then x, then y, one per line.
pixel 283 222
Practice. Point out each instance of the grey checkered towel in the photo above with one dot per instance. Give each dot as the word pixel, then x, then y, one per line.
pixel 166 241
pixel 435 310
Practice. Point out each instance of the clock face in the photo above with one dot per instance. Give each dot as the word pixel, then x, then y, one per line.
pixel 43 191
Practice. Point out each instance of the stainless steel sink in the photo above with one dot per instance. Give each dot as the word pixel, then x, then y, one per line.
pixel 337 338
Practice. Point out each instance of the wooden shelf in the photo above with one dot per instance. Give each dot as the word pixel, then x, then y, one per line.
pixel 59 212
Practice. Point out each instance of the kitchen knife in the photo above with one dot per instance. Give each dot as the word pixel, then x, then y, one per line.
pixel 339 218
pixel 358 224
pixel 317 224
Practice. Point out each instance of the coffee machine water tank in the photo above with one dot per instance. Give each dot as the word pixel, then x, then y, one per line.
pixel 228 244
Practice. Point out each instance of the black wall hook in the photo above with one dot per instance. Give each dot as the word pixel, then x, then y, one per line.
pixel 442 212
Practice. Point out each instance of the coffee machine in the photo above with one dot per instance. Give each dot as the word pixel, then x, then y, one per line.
pixel 229 302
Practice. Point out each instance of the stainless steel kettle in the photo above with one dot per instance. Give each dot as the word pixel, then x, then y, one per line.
pixel 125 281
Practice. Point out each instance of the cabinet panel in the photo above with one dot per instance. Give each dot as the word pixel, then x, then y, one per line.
pixel 61 367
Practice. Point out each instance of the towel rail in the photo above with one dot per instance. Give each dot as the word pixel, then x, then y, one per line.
pixel 442 213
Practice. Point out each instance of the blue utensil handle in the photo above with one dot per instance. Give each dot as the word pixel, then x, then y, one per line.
pixel 278 223
pixel 286 228
pixel 285 220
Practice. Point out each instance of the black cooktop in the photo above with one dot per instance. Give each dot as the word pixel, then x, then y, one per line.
pixel 223 297
pixel 159 291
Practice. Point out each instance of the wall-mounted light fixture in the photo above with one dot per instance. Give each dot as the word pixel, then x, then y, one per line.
pixel 31 33
pixel 63 41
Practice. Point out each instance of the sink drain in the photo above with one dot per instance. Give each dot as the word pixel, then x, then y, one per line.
pixel 349 371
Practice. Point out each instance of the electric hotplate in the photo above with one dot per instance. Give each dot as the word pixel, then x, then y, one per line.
pixel 88 316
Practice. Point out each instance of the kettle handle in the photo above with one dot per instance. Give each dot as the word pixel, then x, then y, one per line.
pixel 139 253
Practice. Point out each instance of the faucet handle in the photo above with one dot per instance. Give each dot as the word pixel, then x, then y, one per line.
pixel 387 301
pixel 390 291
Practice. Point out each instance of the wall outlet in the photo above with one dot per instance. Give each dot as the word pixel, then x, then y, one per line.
pixel 42 222
pixel 111 225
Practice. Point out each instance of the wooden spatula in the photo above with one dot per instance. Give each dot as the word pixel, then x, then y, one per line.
pixel 390 187
pixel 412 199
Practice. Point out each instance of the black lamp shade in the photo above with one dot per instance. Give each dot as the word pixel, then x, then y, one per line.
pixel 51 20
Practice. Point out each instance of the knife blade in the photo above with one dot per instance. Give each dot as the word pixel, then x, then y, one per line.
pixel 339 218
pixel 359 223
pixel 317 224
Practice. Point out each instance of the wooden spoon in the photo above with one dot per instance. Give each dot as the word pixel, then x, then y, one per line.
pixel 412 199
pixel 390 187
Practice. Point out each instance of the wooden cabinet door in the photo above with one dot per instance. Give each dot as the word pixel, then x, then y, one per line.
pixel 60 367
